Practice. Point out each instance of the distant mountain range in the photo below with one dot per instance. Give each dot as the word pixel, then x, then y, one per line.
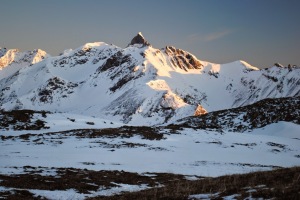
pixel 138 85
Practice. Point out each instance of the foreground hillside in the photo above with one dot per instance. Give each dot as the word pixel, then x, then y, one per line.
pixel 276 184
pixel 247 118
pixel 71 183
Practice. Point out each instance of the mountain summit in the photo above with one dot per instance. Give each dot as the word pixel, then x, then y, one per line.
pixel 139 39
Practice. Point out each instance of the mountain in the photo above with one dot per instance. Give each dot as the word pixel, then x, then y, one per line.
pixel 141 85
pixel 12 60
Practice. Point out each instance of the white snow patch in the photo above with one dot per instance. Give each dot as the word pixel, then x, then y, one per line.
pixel 203 196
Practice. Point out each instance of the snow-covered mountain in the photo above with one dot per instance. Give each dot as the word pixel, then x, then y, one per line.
pixel 141 84
pixel 12 60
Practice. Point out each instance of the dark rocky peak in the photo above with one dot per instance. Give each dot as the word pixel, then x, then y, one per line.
pixel 139 39
pixel 278 65
pixel 2 51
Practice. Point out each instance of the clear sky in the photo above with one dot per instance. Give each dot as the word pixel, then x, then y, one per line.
pixel 260 32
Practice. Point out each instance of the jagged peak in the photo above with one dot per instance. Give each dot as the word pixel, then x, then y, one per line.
pixel 140 33
pixel 278 65
pixel 12 50
pixel 183 59
pixel 39 51
pixel 17 51
pixel 10 56
pixel 139 39
pixel 2 51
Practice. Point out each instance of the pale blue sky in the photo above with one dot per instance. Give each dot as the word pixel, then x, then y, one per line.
pixel 260 32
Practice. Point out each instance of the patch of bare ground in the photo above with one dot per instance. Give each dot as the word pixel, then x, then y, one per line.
pixel 22 120
pixel 148 133
pixel 276 184
pixel 82 180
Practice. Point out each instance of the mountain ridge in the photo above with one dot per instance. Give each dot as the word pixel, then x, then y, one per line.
pixel 140 84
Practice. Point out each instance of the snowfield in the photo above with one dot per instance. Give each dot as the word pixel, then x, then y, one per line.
pixel 190 152
pixel 187 151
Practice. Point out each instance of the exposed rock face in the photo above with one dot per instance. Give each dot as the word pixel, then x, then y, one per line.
pixel 139 39
pixel 182 59
pixel 200 111
pixel 114 61
pixel 2 51
pixel 278 65
pixel 7 57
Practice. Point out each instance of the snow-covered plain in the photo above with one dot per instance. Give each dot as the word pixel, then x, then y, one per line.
pixel 188 151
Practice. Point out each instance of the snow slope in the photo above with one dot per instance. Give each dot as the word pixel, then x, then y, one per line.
pixel 141 85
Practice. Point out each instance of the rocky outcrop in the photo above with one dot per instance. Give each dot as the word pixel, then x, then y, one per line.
pixel 139 39
pixel 257 115
pixel 200 111
pixel 2 51
pixel 182 59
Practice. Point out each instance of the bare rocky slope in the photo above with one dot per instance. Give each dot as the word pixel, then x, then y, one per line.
pixel 246 118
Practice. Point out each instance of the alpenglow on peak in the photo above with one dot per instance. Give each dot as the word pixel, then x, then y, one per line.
pixel 139 39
